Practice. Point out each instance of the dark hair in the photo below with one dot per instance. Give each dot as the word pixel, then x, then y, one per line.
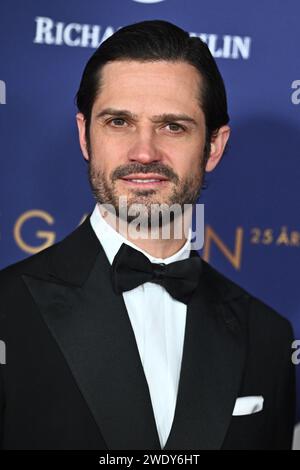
pixel 153 41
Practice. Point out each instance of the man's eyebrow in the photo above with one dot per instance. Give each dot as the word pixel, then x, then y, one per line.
pixel 166 117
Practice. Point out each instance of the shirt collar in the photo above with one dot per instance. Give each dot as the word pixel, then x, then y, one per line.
pixel 111 241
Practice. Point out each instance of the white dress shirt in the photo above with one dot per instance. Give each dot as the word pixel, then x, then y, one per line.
pixel 158 321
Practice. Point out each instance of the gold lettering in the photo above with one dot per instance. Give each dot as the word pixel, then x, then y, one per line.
pixel 49 237
pixel 268 236
pixel 233 257
pixel 295 238
pixel 255 238
pixel 283 238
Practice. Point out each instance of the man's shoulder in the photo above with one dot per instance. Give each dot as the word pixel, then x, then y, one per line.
pixel 257 313
pixel 35 263
pixel 61 253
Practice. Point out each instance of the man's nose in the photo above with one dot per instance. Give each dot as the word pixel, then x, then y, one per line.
pixel 144 147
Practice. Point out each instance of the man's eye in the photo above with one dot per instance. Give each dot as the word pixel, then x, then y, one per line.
pixel 117 120
pixel 177 127
pixel 174 127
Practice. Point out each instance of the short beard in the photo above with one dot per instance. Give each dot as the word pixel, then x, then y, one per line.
pixel 185 192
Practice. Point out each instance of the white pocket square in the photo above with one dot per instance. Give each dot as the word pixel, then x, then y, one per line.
pixel 248 405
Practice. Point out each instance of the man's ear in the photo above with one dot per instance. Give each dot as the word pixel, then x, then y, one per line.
pixel 82 135
pixel 217 147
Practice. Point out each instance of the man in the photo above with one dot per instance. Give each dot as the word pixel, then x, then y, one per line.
pixel 118 342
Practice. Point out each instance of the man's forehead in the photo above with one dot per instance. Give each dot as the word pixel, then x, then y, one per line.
pixel 116 93
pixel 179 71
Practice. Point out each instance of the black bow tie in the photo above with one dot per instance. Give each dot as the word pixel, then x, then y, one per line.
pixel 131 268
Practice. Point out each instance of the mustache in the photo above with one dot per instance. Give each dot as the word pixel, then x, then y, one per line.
pixel 158 168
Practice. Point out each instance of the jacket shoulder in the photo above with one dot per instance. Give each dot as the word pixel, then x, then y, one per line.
pixel 259 314
pixel 80 244
pixel 16 269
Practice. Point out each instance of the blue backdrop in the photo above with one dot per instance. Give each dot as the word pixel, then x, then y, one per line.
pixel 252 202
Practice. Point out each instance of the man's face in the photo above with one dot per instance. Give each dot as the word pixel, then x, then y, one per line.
pixel 134 138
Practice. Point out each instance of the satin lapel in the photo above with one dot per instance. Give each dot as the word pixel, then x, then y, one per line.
pixel 211 372
pixel 92 328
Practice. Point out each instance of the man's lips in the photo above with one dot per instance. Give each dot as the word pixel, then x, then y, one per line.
pixel 145 180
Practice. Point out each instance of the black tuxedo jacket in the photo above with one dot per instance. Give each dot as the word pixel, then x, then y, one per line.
pixel 73 378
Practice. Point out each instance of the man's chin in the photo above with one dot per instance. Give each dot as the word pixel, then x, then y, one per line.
pixel 145 197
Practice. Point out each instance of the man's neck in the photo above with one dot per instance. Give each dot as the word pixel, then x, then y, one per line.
pixel 159 248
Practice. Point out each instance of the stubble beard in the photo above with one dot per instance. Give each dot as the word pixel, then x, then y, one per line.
pixel 184 192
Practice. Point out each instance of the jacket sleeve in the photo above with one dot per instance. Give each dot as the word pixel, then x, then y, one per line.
pixel 286 394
